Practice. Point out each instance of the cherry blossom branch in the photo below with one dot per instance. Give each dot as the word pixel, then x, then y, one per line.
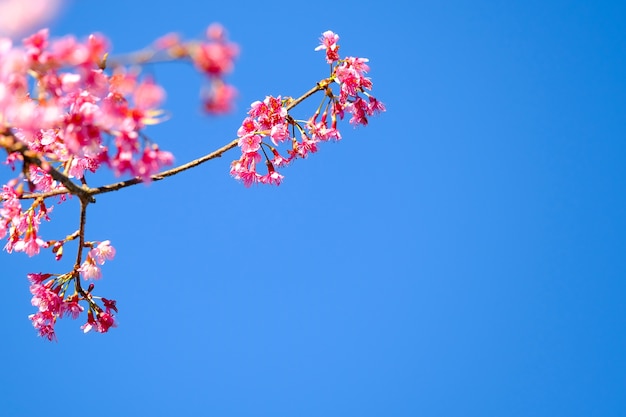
pixel 87 191
pixel 50 114
pixel 215 154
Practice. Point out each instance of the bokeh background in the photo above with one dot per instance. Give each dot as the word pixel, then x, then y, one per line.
pixel 461 256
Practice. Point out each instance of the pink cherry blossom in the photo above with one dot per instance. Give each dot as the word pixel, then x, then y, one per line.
pixel 89 269
pixel 250 143
pixel 43 322
pixel 215 57
pixel 104 251
pixel 102 322
pixel 71 307
pixel 329 43
pixel 38 278
pixel 45 299
pixel 219 98
pixel 105 321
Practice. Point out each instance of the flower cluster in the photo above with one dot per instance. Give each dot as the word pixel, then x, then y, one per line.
pixel 57 99
pixel 270 118
pixel 53 297
pixel 22 227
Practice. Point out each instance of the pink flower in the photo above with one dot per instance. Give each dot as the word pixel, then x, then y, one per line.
pixel 104 251
pixel 278 160
pixel 329 43
pixel 244 169
pixel 102 323
pixel 45 299
pixel 351 76
pixel 11 206
pixel 71 307
pixel 148 95
pixel 31 243
pixel 220 98
pixel 321 131
pixel 38 278
pixel 250 143
pixel 43 322
pixel 249 125
pixel 279 133
pixel 272 176
pixel 109 304
pixel 79 165
pixel 307 146
pixel 375 106
pixel 42 180
pixel 216 57
pixel 105 321
pixel 152 160
pixel 89 269
pixel 359 110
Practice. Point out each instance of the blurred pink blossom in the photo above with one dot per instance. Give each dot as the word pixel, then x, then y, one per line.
pixel 19 17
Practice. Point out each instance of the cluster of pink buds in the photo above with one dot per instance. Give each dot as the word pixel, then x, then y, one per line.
pixel 270 118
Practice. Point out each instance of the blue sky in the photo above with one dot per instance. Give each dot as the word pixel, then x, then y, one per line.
pixel 461 256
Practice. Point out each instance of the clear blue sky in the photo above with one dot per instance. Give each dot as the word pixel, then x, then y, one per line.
pixel 464 255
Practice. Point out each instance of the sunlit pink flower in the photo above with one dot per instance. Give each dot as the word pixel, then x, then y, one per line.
pixel 45 299
pixel 30 245
pixel 279 160
pixel 38 278
pixel 71 307
pixel 89 269
pixel 359 110
pixel 272 176
pixel 329 43
pixel 104 251
pixel 279 133
pixel 375 106
pixel 43 322
pixel 250 143
pixel 105 321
